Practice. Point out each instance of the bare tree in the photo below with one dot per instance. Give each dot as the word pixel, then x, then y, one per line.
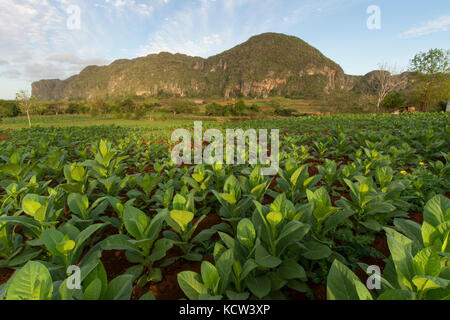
pixel 388 79
pixel 25 102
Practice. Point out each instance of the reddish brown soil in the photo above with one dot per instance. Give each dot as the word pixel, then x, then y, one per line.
pixel 210 221
pixel 4 136
pixel 380 244
pixel 168 288
pixel 115 263
pixel 416 217
pixel 319 291
pixel 267 200
pixel 313 171
pixel 5 274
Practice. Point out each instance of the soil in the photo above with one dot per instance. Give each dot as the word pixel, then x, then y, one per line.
pixel 416 217
pixel 168 288
pixel 5 274
pixel 115 263
pixel 211 220
pixel 319 291
pixel 380 244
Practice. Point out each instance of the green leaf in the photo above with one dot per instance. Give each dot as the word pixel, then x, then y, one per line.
pixel 93 291
pixel 401 251
pixel 274 219
pixel 260 287
pixel 246 233
pixel 78 204
pixel 437 210
pixel 179 202
pixel 343 284
pixel 51 239
pixel 396 295
pixel 182 218
pixel 148 296
pixel 136 222
pixel 316 251
pixel 65 246
pixel 210 276
pixel 32 282
pixel 234 296
pixel 427 263
pixel 264 259
pixel 191 284
pixel 426 283
pixel 32 203
pixel 120 288
pixel 230 198
pixel 290 270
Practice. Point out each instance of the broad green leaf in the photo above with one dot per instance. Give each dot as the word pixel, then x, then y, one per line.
pixel 316 251
pixel 93 291
pixel 397 295
pixel 78 204
pixel 136 222
pixel 343 284
pixel 31 203
pixel 230 198
pixel 290 270
pixel 437 210
pixel 51 239
pixel 427 263
pixel 32 282
pixel 265 259
pixel 260 287
pixel 191 284
pixel 120 288
pixel 425 283
pixel 246 233
pixel 210 276
pixel 401 251
pixel 274 219
pixel 182 218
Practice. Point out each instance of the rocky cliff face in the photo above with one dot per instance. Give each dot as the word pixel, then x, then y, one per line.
pixel 268 64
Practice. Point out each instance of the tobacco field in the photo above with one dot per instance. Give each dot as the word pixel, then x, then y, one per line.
pixel 354 193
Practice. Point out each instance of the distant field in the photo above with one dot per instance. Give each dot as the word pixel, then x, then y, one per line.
pixel 88 121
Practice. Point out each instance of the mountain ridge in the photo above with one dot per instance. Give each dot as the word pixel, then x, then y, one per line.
pixel 269 64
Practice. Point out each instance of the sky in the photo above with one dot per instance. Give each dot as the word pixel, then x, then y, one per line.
pixel 55 39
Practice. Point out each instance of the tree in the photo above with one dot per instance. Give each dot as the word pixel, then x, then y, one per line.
pixel 26 104
pixel 393 101
pixel 388 79
pixel 433 67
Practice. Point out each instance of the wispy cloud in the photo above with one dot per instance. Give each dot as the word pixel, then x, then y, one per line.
pixel 439 24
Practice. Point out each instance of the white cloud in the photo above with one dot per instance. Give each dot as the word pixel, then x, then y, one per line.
pixel 439 24
pixel 11 74
pixel 143 9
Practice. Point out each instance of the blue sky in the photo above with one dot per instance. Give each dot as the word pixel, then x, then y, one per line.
pixel 44 39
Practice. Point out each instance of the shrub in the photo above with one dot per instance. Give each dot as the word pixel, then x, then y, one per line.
pixel 393 101
pixel 181 106
pixel 284 112
pixel 8 109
